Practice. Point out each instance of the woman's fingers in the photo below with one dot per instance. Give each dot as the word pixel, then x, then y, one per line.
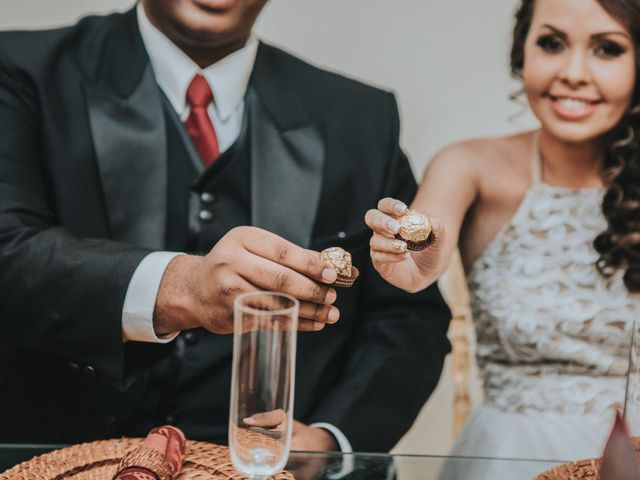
pixel 382 258
pixel 392 207
pixel 381 243
pixel 381 223
pixel 437 228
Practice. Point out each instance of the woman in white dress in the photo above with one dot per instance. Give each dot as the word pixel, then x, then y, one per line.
pixel 548 225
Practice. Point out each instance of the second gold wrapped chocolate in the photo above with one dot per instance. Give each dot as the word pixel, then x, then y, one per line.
pixel 339 259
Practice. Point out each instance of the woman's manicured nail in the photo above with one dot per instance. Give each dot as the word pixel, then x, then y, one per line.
pixel 400 207
pixel 393 226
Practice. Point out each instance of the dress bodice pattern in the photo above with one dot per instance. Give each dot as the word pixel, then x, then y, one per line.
pixel 552 333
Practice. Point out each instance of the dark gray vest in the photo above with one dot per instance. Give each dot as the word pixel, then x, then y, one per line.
pixel 202 205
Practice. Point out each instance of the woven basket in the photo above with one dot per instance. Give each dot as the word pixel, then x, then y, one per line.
pixel 99 461
pixel 581 469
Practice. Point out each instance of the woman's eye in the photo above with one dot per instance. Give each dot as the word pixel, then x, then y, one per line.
pixel 609 49
pixel 550 44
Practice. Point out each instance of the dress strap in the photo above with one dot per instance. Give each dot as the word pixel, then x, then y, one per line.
pixel 536 164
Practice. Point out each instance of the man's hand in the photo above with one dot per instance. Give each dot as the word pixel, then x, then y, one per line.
pixel 313 439
pixel 199 291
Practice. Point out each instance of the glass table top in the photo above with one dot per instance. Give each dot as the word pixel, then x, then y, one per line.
pixel 360 466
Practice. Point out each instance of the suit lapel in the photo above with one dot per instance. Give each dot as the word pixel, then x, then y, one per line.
pixel 287 156
pixel 129 135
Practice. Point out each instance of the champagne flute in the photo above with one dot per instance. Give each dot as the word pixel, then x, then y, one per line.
pixel 262 382
pixel 632 396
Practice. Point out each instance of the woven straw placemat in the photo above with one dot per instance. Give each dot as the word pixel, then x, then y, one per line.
pixel 99 461
pixel 581 469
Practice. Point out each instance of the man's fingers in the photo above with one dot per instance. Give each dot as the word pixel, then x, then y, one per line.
pixel 266 419
pixel 318 313
pixel 272 247
pixel 392 207
pixel 268 275
pixel 310 325
pixel 381 223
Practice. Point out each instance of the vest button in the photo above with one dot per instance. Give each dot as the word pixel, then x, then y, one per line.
pixel 206 215
pixel 190 338
pixel 206 197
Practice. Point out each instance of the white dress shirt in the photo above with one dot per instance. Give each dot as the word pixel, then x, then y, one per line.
pixel 174 70
pixel 228 79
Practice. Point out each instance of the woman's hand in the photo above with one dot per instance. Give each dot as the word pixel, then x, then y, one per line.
pixel 410 271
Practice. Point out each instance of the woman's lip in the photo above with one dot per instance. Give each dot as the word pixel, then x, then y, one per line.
pixel 568 108
pixel 573 97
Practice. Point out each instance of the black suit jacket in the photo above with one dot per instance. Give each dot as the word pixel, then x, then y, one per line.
pixel 83 200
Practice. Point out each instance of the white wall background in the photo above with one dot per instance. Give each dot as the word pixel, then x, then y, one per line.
pixel 447 62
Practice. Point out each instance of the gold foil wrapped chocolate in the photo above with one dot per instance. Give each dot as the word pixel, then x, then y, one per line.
pixel 340 260
pixel 415 230
pixel 414 226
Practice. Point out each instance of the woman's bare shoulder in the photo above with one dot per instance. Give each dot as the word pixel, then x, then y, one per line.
pixel 477 155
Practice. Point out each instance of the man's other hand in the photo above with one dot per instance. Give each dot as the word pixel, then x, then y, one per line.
pixel 313 439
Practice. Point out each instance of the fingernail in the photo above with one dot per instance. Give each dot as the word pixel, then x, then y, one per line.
pixel 249 420
pixel 400 246
pixel 393 226
pixel 334 315
pixel 318 325
pixel 331 296
pixel 329 275
pixel 400 207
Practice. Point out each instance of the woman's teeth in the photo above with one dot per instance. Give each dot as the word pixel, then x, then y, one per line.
pixel 573 104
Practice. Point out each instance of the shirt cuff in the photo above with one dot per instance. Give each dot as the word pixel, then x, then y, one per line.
pixel 140 300
pixel 343 444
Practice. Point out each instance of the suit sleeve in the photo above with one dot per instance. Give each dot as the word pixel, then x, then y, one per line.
pixel 60 295
pixel 398 345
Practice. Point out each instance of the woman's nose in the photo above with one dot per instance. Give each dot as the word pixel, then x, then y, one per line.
pixel 575 70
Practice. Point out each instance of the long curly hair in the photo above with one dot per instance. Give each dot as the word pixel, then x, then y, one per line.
pixel 619 245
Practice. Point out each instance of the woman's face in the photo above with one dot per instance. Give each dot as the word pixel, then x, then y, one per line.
pixel 579 69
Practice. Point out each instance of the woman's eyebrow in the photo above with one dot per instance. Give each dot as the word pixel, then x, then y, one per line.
pixel 595 36
pixel 612 32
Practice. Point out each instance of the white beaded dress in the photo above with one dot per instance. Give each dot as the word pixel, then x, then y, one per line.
pixel 553 335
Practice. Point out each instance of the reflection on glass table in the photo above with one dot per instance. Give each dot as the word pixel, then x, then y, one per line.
pixel 356 466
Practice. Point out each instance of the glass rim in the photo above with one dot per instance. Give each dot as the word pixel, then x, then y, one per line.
pixel 254 311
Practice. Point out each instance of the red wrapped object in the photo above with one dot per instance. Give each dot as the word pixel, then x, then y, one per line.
pixel 159 458
pixel 620 459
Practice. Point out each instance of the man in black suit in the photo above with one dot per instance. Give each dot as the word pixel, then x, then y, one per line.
pixel 170 128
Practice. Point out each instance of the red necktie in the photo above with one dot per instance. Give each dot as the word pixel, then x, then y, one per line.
pixel 198 124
